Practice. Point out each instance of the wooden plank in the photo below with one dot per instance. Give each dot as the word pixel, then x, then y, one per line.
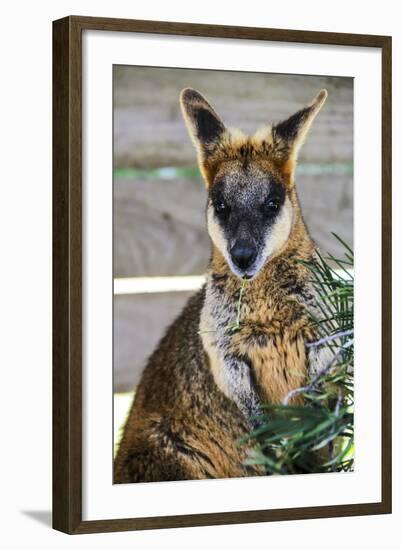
pixel 149 130
pixel 140 321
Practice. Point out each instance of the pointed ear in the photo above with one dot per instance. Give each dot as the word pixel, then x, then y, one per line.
pixel 204 124
pixel 289 135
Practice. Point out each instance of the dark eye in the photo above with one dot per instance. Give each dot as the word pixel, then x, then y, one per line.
pixel 272 204
pixel 220 206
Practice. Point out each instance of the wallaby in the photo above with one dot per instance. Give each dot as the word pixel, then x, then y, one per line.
pixel 205 383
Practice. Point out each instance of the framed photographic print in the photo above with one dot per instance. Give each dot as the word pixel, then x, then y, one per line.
pixel 217 192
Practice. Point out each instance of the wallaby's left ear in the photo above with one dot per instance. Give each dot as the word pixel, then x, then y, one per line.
pixel 204 124
pixel 289 135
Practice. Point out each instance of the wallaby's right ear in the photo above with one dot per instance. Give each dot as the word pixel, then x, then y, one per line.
pixel 204 124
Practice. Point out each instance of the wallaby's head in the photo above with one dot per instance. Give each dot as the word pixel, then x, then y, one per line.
pixel 252 202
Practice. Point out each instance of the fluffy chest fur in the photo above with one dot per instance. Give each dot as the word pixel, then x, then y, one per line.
pixel 266 357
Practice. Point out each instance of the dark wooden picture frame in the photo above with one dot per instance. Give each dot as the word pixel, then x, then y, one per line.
pixel 67 273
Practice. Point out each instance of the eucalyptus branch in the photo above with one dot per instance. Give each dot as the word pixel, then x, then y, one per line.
pixel 291 437
pixel 338 403
pixel 315 380
pixel 234 326
pixel 328 339
pixel 336 414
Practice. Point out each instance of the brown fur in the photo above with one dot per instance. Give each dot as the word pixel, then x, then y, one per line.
pixel 265 145
pixel 189 408
pixel 181 425
pixel 274 321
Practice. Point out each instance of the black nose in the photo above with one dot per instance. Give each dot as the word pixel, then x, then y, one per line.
pixel 243 254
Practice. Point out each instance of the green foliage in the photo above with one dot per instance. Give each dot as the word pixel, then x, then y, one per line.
pixel 319 435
